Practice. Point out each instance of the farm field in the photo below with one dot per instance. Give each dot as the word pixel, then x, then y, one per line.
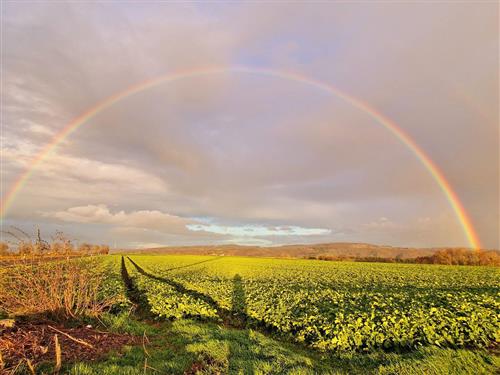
pixel 236 315
pixel 262 315
pixel 330 306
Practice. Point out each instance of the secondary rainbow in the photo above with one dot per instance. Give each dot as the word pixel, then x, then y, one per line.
pixel 420 154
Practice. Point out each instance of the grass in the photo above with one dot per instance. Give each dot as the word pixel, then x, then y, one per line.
pixel 191 346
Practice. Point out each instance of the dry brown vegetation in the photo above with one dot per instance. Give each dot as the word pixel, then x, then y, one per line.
pixel 463 257
pixel 44 285
pixel 51 278
pixel 456 257
pixel 61 289
pixel 22 245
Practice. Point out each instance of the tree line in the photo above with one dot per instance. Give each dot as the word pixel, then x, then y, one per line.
pixel 22 244
pixel 462 257
pixel 450 256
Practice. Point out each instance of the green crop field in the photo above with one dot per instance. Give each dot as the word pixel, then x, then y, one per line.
pixel 276 316
pixel 330 306
pixel 236 315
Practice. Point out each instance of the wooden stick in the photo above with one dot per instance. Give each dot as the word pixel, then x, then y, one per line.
pixel 31 367
pixel 81 342
pixel 152 368
pixel 57 368
pixel 144 338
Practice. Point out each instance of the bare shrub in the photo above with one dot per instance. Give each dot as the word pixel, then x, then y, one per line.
pixel 61 289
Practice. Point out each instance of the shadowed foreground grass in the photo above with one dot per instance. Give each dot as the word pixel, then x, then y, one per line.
pixel 194 347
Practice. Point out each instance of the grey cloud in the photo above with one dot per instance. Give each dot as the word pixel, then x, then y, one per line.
pixel 249 150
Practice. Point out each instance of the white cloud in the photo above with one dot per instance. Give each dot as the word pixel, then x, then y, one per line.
pixel 100 214
pixel 146 245
pixel 259 231
pixel 381 223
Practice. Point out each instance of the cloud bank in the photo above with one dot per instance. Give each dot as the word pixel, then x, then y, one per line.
pixel 246 158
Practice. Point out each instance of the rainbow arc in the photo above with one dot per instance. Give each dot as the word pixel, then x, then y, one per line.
pixel 389 125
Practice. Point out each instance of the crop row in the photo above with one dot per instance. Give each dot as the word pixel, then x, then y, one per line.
pixel 113 288
pixel 334 306
pixel 167 302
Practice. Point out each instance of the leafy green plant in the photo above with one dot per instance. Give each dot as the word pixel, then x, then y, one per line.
pixel 341 306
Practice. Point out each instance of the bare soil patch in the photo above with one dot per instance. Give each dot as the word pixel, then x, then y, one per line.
pixel 34 341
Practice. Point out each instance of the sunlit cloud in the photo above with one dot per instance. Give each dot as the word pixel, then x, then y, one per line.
pixel 258 231
pixel 101 214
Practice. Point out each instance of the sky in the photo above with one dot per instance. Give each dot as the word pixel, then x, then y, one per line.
pixel 239 158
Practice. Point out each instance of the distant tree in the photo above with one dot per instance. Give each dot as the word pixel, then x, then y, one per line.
pixel 489 257
pixel 57 248
pixel 58 244
pixel 68 248
pixel 104 250
pixel 95 249
pixel 4 249
pixel 85 249
pixel 25 248
pixel 41 246
pixel 463 257
pixel 450 256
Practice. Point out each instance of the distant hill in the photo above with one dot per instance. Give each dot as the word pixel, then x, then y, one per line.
pixel 337 249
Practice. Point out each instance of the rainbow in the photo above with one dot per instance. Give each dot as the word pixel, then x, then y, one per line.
pixel 431 167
